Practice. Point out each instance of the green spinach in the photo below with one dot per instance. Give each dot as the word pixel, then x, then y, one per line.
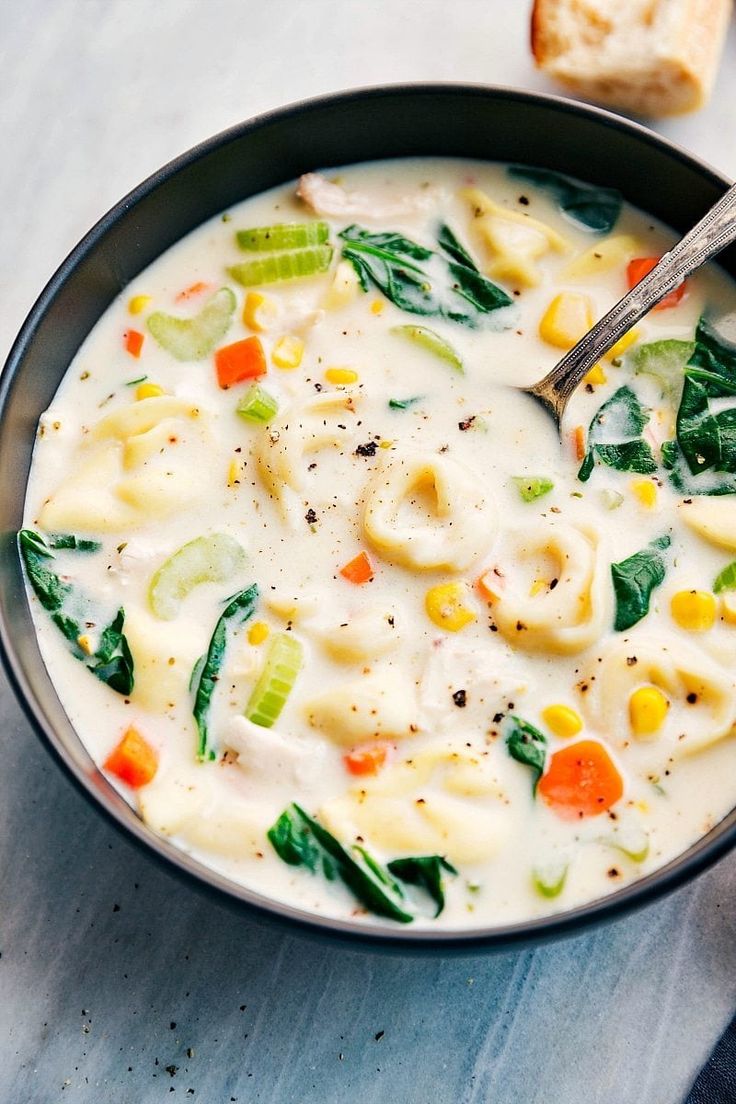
pixel 726 579
pixel 239 608
pixel 426 872
pixel 527 745
pixel 634 580
pixel 596 208
pixel 614 437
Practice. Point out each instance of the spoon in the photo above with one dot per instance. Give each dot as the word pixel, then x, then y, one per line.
pixel 712 234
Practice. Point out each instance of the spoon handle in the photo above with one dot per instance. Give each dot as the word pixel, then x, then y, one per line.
pixel 714 232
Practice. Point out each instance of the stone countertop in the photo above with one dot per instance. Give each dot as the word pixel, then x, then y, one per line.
pixel 121 985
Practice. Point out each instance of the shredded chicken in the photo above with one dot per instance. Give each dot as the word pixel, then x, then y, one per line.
pixel 326 198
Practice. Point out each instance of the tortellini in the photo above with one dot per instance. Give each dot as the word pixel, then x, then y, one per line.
pixel 714 519
pixel 379 705
pixel 515 240
pixel 164 658
pixel 145 461
pixel 550 588
pixel 441 801
pixel 452 523
pixel 701 696
pixel 368 634
pixel 281 449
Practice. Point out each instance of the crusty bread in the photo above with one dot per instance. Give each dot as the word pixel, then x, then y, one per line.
pixel 650 57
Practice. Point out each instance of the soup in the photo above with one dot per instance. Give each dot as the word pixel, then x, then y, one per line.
pixel 331 601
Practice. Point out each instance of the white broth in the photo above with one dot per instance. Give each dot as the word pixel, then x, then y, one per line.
pixel 439 661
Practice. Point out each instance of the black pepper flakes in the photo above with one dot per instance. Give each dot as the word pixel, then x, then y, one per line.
pixel 460 699
pixel 368 449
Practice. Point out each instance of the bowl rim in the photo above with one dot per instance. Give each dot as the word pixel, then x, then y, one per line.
pixel 702 854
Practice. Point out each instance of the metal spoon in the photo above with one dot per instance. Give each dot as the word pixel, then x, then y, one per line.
pixel 714 232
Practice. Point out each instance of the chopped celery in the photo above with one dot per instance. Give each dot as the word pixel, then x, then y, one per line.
pixel 432 342
pixel 257 405
pixel 665 360
pixel 283 236
pixel 283 662
pixel 211 559
pixel 270 269
pixel 611 499
pixel 532 486
pixel 194 338
pixel 631 841
pixel 549 878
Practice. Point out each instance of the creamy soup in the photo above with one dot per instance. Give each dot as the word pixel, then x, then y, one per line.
pixel 331 601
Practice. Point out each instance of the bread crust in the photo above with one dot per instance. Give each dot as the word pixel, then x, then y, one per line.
pixel 672 72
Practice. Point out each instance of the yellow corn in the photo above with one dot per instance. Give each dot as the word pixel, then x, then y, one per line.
pixel 341 375
pixel 148 391
pixel 85 644
pixel 258 632
pixel 566 319
pixel 595 376
pixel 446 608
pixel 288 352
pixel 728 606
pixel 537 587
pixel 623 344
pixel 377 306
pixel 343 289
pixel 646 491
pixel 647 710
pixel 259 311
pixel 138 303
pixel 562 720
pixel 233 474
pixel 385 443
pixel 694 610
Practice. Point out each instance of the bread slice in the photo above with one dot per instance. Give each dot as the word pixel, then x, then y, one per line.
pixel 650 57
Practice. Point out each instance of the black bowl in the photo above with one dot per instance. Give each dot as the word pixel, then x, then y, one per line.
pixel 399 121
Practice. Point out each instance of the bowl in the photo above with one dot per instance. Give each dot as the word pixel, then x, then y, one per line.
pixel 375 123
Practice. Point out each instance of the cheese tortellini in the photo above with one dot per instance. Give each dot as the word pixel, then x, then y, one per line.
pixel 701 696
pixel 426 511
pixel 379 705
pixel 143 462
pixel 550 588
pixel 516 241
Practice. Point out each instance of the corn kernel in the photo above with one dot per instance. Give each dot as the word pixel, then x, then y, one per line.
pixel 694 610
pixel 148 391
pixel 343 289
pixel 85 644
pixel 623 344
pixel 288 352
pixel 595 376
pixel 259 311
pixel 233 474
pixel 647 710
pixel 646 491
pixel 562 720
pixel 537 587
pixel 566 319
pixel 341 375
pixel 642 806
pixel 728 606
pixel 138 303
pixel 377 306
pixel 385 443
pixel 445 606
pixel 258 632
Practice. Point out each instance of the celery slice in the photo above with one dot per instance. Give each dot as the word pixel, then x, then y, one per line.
pixel 631 841
pixel 432 342
pixel 212 559
pixel 283 236
pixel 257 405
pixel 726 579
pixel 665 360
pixel 283 662
pixel 194 338
pixel 532 486
pixel 272 268
pixel 549 878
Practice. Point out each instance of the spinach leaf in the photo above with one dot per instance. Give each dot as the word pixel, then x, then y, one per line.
pixel 634 579
pixel 74 544
pixel 300 840
pixel 614 437
pixel 449 244
pixel 426 872
pixel 594 207
pixel 404 404
pixel 527 745
pixel 726 579
pixel 420 281
pixel 238 609
pixel 112 662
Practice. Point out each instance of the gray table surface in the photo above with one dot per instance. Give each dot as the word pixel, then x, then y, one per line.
pixel 117 983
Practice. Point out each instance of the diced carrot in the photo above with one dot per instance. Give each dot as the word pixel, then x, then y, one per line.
pixel 581 780
pixel 641 267
pixel 358 571
pixel 367 759
pixel 133 342
pixel 134 761
pixel 240 361
pixel 485 588
pixel 193 289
